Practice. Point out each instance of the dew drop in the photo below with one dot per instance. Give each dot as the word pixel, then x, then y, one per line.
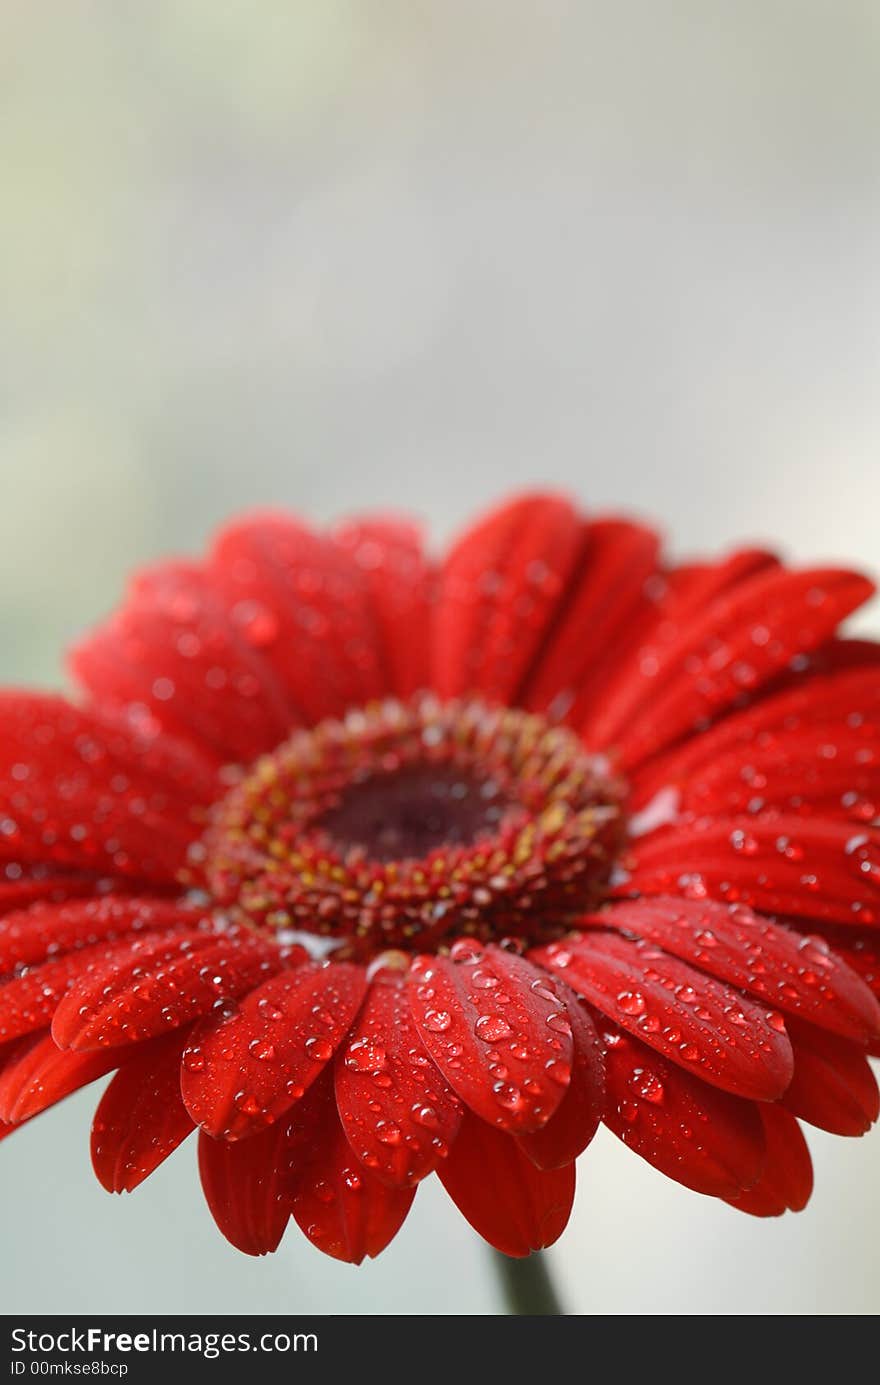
pixel 247 1102
pixel 484 980
pixel 438 1021
pixel 366 1056
pixel 491 1028
pixel 388 1133
pixel 426 1116
pixel 650 1088
pixel 631 1002
pixel 509 1096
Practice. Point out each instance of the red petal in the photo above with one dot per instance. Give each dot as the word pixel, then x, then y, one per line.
pixel 833 1086
pixel 397 1111
pixel 513 1205
pixel 700 1024
pixel 697 1135
pixel 343 1208
pixel 35 884
pixel 567 1134
pixel 243 1183
pixel 44 1074
pixel 787 1179
pixel 12 1049
pixel 671 598
pixel 243 1069
pixel 859 948
pixel 696 584
pixel 499 588
pixel 47 930
pixel 604 592
pixel 840 654
pixel 823 770
pixel 398 578
pixel 304 602
pixel 80 793
pixel 157 985
pixel 733 645
pixel 174 649
pixel 847 700
pixel 498 1032
pixel 28 1001
pixel 803 867
pixel 788 970
pixel 140 1119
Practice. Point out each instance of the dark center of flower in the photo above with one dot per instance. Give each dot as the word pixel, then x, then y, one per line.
pixel 403 824
pixel 406 813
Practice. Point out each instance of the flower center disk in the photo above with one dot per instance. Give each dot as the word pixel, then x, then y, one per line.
pixel 407 822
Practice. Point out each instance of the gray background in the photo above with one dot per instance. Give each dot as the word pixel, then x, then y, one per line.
pixel 337 254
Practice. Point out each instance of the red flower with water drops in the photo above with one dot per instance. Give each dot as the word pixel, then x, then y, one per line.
pixel 366 867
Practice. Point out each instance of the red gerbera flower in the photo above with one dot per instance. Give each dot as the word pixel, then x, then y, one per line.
pixel 367 868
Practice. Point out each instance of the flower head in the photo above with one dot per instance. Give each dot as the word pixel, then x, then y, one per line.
pixel 368 867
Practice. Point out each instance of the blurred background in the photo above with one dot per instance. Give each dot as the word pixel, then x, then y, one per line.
pixel 348 253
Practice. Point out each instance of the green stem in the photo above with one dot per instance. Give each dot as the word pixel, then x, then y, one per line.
pixel 527 1287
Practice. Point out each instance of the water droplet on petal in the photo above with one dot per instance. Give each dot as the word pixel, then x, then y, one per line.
pixel 437 1021
pixel 491 1028
pixel 366 1056
pixel 631 1002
